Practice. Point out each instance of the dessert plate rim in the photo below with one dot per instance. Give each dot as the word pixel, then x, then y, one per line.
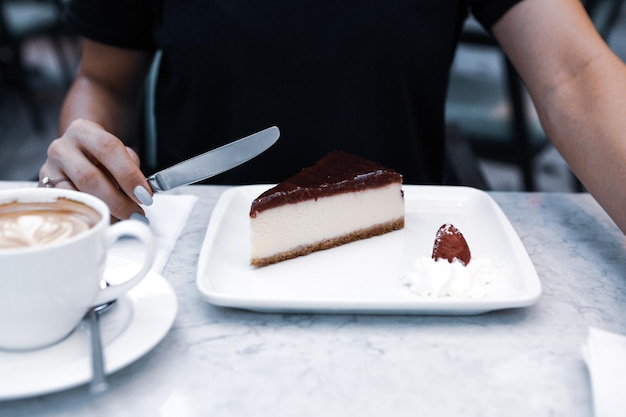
pixel 370 282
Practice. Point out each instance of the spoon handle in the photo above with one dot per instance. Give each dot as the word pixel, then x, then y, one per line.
pixel 98 381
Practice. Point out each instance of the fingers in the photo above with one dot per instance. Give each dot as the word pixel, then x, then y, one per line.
pixel 133 155
pixel 97 162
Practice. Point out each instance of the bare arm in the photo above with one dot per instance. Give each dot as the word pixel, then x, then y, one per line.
pixel 579 88
pixel 100 110
pixel 107 87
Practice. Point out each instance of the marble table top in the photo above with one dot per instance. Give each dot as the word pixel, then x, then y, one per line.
pixel 219 361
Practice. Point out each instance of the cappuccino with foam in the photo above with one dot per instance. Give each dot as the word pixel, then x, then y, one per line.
pixel 26 224
pixel 54 245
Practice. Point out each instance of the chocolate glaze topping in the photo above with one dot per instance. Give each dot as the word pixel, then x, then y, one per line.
pixel 338 172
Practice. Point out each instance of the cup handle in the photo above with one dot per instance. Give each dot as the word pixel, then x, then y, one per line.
pixel 137 230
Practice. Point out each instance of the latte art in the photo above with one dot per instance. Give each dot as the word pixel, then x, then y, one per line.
pixel 34 224
pixel 39 229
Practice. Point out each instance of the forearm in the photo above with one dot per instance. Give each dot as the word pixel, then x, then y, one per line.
pixel 87 99
pixel 579 88
pixel 108 88
pixel 585 121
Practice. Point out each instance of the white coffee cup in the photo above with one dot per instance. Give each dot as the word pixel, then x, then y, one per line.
pixel 46 288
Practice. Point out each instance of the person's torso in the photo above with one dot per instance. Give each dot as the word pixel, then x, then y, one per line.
pixel 363 77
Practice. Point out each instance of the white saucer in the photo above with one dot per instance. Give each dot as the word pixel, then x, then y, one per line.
pixel 137 322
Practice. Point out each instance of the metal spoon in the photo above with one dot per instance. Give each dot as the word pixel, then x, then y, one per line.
pixel 98 382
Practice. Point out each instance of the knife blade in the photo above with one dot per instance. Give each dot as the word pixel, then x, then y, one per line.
pixel 214 162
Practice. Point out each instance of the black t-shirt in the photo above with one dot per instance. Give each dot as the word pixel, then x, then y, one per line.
pixel 366 77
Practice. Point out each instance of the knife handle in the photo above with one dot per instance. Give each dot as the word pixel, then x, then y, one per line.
pixel 154 183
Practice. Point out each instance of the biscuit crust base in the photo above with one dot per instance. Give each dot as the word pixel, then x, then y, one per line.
pixel 303 250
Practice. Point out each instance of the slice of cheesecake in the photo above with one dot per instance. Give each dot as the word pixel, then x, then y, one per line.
pixel 340 199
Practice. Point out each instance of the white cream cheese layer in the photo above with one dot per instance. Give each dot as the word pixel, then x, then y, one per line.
pixel 290 226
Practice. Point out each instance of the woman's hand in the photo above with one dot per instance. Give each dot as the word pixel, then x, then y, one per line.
pixel 88 158
pixel 100 108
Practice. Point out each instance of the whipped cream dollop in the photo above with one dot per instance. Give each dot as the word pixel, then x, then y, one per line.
pixel 439 278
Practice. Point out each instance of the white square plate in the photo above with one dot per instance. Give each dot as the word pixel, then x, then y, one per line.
pixel 363 276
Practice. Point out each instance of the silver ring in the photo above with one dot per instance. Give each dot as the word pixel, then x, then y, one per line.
pixel 51 183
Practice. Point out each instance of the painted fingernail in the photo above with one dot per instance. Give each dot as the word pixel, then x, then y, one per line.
pixel 140 217
pixel 143 195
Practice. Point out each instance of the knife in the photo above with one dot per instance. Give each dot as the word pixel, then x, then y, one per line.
pixel 215 161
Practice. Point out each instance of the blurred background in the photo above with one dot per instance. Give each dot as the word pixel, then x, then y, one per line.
pixel 494 135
